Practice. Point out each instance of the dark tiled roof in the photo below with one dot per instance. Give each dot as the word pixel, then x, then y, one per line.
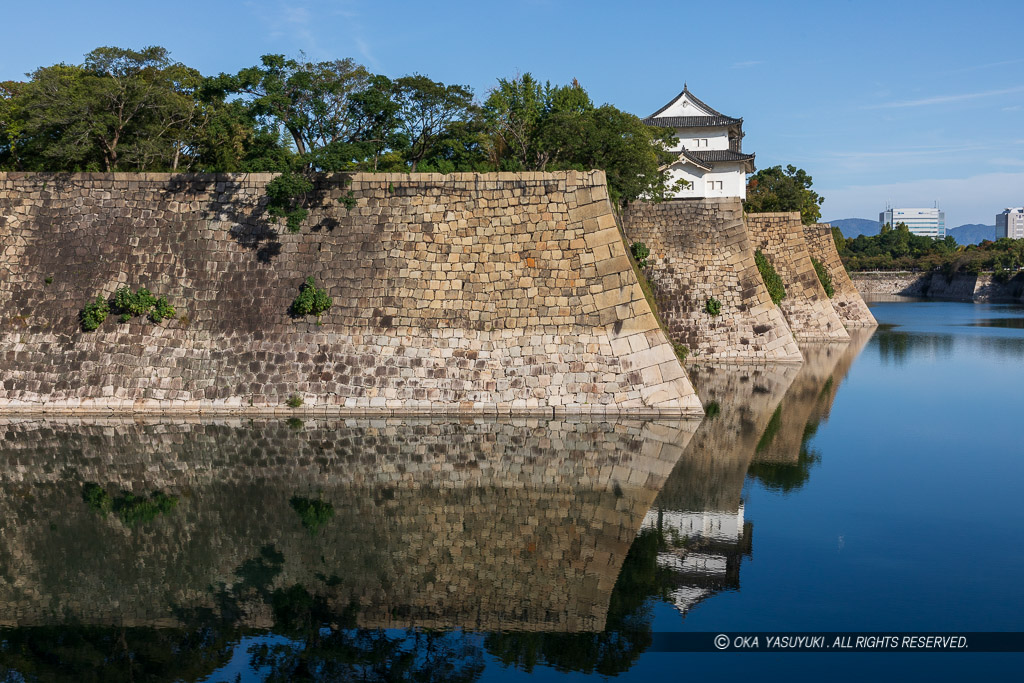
pixel 690 121
pixel 693 159
pixel 721 155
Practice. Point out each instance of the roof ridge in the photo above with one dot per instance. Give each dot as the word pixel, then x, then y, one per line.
pixel 693 98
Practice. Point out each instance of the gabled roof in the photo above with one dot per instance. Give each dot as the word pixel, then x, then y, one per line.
pixel 708 111
pixel 687 158
pixel 706 160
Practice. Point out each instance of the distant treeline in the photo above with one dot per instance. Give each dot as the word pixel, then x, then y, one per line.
pixel 899 249
pixel 137 110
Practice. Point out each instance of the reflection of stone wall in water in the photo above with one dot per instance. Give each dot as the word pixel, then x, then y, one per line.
pixel 846 301
pixel 780 236
pixel 740 400
pixel 809 399
pixel 700 249
pixel 700 510
pixel 462 292
pixel 487 525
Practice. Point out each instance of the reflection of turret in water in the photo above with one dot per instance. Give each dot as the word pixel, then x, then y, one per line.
pixel 782 459
pixel 699 513
pixel 480 524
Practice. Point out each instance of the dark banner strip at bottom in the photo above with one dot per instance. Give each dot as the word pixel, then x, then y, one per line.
pixel 838 641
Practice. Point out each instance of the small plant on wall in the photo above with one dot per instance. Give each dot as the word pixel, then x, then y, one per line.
pixel 824 277
pixel 713 306
pixel 311 300
pixel 640 253
pixel 94 313
pixel 681 351
pixel 772 281
pixel 128 304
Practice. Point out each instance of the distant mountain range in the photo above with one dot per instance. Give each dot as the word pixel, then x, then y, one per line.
pixel 971 233
pixel 854 227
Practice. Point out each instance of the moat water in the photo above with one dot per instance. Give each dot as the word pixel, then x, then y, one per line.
pixel 876 487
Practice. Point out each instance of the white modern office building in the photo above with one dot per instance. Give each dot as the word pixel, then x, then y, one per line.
pixel 709 145
pixel 923 222
pixel 1010 223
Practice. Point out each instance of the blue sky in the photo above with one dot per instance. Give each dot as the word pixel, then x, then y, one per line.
pixel 902 102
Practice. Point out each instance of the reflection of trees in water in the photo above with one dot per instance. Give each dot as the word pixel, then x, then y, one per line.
pixel 319 643
pixel 788 477
pixel 895 346
pixel 96 654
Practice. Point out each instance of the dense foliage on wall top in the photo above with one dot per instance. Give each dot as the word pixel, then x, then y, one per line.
pixel 139 110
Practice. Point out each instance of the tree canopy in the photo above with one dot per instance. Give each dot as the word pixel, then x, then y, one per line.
pixel 777 189
pixel 139 110
pixel 896 248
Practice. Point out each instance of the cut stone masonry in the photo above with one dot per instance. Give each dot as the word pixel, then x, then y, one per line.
pixel 477 293
pixel 700 249
pixel 780 237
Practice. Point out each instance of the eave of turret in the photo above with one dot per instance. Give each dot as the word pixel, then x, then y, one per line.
pixel 691 121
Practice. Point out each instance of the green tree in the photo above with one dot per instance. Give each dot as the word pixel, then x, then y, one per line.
pixel 778 189
pixel 427 110
pixel 311 101
pixel 535 127
pixel 121 110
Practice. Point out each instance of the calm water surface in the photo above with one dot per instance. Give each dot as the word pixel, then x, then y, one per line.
pixel 874 487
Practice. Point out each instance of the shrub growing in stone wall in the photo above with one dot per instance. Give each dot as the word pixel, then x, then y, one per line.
pixel 713 306
pixel 772 281
pixel 128 303
pixel 640 253
pixel 94 313
pixel 824 277
pixel 311 300
pixel 287 195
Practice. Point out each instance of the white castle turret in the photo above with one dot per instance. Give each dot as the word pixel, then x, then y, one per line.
pixel 710 148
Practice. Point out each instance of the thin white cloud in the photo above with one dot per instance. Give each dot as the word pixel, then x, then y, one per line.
pixel 911 152
pixel 990 65
pixel 1006 161
pixel 945 99
pixel 747 64
pixel 367 53
pixel 973 199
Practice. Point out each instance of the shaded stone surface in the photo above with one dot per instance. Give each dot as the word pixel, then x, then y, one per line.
pixel 846 300
pixel 491 293
pixel 780 236
pixel 700 249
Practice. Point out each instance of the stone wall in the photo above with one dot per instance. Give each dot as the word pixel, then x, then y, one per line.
pixel 520 524
pixel 846 300
pixel 960 287
pixel 493 293
pixel 780 237
pixel 700 249
pixel 891 283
